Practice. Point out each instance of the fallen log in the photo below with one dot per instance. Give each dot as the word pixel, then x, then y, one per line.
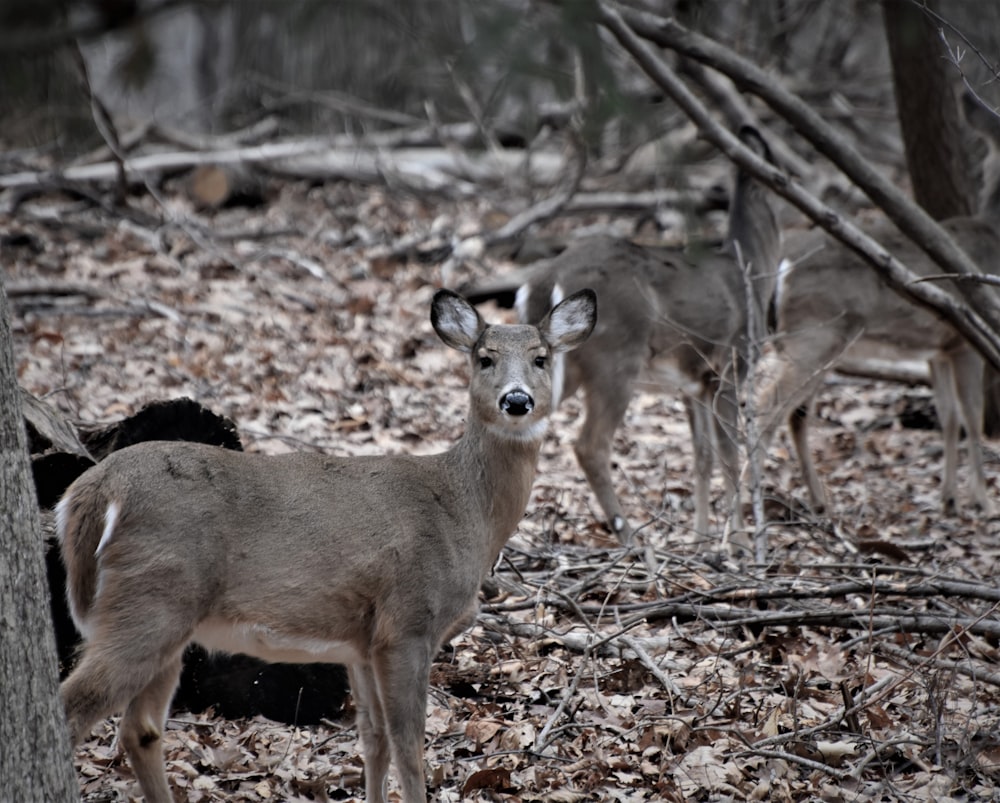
pixel 438 169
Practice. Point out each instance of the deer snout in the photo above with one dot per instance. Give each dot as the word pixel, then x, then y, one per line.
pixel 517 402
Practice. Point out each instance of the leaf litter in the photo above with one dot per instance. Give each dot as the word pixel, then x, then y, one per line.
pixel 857 664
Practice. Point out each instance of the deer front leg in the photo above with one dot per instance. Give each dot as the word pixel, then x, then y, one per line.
pixel 699 421
pixel 402 674
pixel 726 419
pixel 967 385
pixel 372 731
pixel 593 453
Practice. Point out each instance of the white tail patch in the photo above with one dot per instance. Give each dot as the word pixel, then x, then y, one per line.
pixel 558 294
pixel 82 623
pixel 62 511
pixel 62 516
pixel 783 268
pixel 110 520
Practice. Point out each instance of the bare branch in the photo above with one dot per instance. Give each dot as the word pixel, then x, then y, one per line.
pixel 980 325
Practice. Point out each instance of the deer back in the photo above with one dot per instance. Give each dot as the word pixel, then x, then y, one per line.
pixel 654 299
pixel 826 283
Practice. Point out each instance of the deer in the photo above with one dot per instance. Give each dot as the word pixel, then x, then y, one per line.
pixel 830 305
pixel 672 320
pixel 373 562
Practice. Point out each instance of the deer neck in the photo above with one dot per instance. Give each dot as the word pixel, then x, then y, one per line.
pixel 754 231
pixel 496 472
pixel 989 209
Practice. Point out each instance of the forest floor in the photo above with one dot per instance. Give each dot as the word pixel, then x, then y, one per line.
pixel 857 663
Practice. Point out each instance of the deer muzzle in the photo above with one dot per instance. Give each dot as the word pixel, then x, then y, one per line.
pixel 517 402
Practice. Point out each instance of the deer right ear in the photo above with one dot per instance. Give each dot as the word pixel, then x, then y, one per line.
pixel 980 116
pixel 456 321
pixel 571 321
pixel 753 139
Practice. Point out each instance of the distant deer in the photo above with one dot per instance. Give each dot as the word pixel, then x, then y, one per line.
pixel 830 303
pixel 371 562
pixel 678 320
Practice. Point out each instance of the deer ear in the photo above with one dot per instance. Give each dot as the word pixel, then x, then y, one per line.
pixel 755 141
pixel 456 321
pixel 571 321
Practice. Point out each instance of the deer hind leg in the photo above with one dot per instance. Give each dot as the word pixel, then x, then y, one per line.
pixel 798 426
pixel 946 404
pixel 107 680
pixel 699 413
pixel 118 664
pixel 804 358
pixel 141 732
pixel 402 673
pixel 958 388
pixel 713 421
pixel 88 698
pixel 605 411
pixel 373 732
pixel 726 421
pixel 131 663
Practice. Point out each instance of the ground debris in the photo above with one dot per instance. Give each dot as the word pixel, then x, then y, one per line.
pixel 857 664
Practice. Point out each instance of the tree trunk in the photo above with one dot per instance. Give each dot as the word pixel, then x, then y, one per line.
pixel 35 755
pixel 937 156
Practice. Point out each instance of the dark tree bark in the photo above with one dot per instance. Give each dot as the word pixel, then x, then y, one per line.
pixel 933 132
pixel 943 178
pixel 35 755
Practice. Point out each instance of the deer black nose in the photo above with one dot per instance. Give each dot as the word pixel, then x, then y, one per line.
pixel 517 402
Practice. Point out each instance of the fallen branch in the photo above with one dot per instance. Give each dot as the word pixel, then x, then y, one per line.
pixel 551 206
pixel 797 588
pixel 656 670
pixel 426 168
pixel 903 372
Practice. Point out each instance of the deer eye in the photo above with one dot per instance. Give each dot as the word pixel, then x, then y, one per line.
pixel 541 361
pixel 485 362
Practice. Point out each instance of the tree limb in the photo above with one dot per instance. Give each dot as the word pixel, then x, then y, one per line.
pixel 979 325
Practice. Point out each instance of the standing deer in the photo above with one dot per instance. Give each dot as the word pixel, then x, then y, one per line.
pixel 677 320
pixel 830 304
pixel 368 561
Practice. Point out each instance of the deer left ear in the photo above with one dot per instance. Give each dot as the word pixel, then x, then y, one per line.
pixel 571 321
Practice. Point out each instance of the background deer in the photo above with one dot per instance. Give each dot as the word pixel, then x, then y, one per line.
pixel 368 561
pixel 676 320
pixel 830 303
